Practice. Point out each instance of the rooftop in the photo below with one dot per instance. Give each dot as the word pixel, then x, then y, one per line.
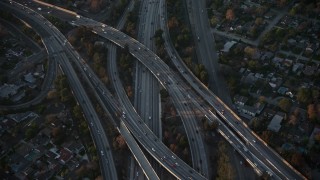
pixel 275 123
pixel 29 78
pixel 65 155
pixel 241 100
pixel 22 116
pixel 7 90
pixel 228 45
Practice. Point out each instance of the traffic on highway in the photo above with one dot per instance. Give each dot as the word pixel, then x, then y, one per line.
pixel 144 126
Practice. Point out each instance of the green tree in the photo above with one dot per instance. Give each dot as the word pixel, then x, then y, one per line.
pixel 65 95
pixel 213 21
pixel 315 93
pixel 77 112
pixel 303 95
pixel 32 130
pixel 204 76
pixel 285 104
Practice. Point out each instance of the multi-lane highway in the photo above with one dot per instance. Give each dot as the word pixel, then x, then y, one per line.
pixel 175 165
pixel 199 158
pixel 205 47
pixel 171 81
pixel 146 96
pixel 206 53
pixel 264 157
pixel 134 123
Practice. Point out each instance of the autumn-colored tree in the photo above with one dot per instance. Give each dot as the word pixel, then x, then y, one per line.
pixel 282 3
pixel 121 142
pixel 173 112
pixel 56 132
pixel 317 137
pixel 262 99
pixel 129 91
pixel 172 147
pixel 311 110
pixel 230 15
pixel 297 160
pixel 178 137
pixel 250 51
pixel 296 112
pixel 258 21
pixel 166 135
pixel 292 120
pixel 173 23
pixel 52 94
pixel 50 118
pixel 266 135
pixel 81 171
pixel 255 123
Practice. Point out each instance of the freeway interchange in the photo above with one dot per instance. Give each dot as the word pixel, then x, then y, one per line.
pixel 256 152
pixel 265 158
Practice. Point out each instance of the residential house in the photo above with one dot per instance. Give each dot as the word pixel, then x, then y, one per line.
pixel 248 110
pixel 51 155
pixel 269 113
pixel 277 61
pixel 309 70
pixel 282 90
pixel 316 131
pixel 34 154
pixel 228 45
pixel 287 63
pixel 17 97
pixel 65 155
pixel 40 140
pixel 249 79
pixel 6 125
pixel 259 107
pixel 23 116
pixel 267 56
pixel 29 78
pixel 242 70
pixel 287 147
pixel 4 148
pixel 8 90
pixel 297 66
pixel 75 147
pixel 275 123
pixel 18 163
pixel 23 148
pixel 240 100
